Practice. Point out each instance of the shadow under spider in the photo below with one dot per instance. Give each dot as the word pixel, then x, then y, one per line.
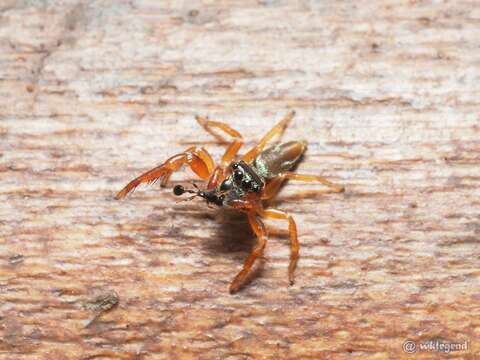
pixel 235 237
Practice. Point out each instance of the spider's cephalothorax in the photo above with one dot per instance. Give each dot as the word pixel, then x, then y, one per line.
pixel 243 179
pixel 244 184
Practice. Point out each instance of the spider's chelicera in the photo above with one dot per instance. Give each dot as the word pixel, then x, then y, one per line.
pixel 243 184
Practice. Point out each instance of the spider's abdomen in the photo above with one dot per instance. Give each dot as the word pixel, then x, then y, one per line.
pixel 279 158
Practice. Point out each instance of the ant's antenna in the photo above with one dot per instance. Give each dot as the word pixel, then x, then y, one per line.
pixel 180 190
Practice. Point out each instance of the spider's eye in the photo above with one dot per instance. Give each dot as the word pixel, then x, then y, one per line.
pixel 225 185
pixel 255 187
pixel 247 184
pixel 238 175
pixel 235 166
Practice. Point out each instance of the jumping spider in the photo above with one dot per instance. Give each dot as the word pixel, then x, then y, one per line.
pixel 243 184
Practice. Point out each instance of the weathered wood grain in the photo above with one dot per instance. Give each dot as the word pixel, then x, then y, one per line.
pixel 95 92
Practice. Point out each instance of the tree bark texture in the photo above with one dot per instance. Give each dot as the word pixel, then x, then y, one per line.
pixel 94 93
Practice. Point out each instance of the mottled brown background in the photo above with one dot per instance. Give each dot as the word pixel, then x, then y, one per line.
pixel 94 92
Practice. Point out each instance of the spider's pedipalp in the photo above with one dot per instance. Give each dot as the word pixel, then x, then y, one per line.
pixel 198 159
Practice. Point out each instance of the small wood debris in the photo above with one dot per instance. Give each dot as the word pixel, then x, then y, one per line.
pixel 15 259
pixel 101 304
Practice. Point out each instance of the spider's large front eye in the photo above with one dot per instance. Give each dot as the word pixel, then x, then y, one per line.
pixel 225 185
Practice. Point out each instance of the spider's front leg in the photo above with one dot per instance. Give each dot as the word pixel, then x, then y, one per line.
pixel 234 146
pixel 198 159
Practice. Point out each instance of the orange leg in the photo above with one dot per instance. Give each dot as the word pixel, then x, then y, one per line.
pixel 216 178
pixel 292 228
pixel 276 130
pixel 236 143
pixel 273 186
pixel 202 154
pixel 257 251
pixel 209 125
pixel 198 159
pixel 243 204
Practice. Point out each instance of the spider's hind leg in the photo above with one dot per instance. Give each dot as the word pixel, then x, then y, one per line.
pixel 274 185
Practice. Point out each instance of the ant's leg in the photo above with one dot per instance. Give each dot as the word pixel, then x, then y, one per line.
pixel 235 143
pixel 273 186
pixel 198 159
pixel 292 228
pixel 257 251
pixel 276 130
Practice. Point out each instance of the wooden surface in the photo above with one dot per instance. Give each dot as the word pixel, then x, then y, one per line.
pixel 95 92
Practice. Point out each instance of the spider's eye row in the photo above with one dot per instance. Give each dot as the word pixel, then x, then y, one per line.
pixel 238 174
pixel 247 184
